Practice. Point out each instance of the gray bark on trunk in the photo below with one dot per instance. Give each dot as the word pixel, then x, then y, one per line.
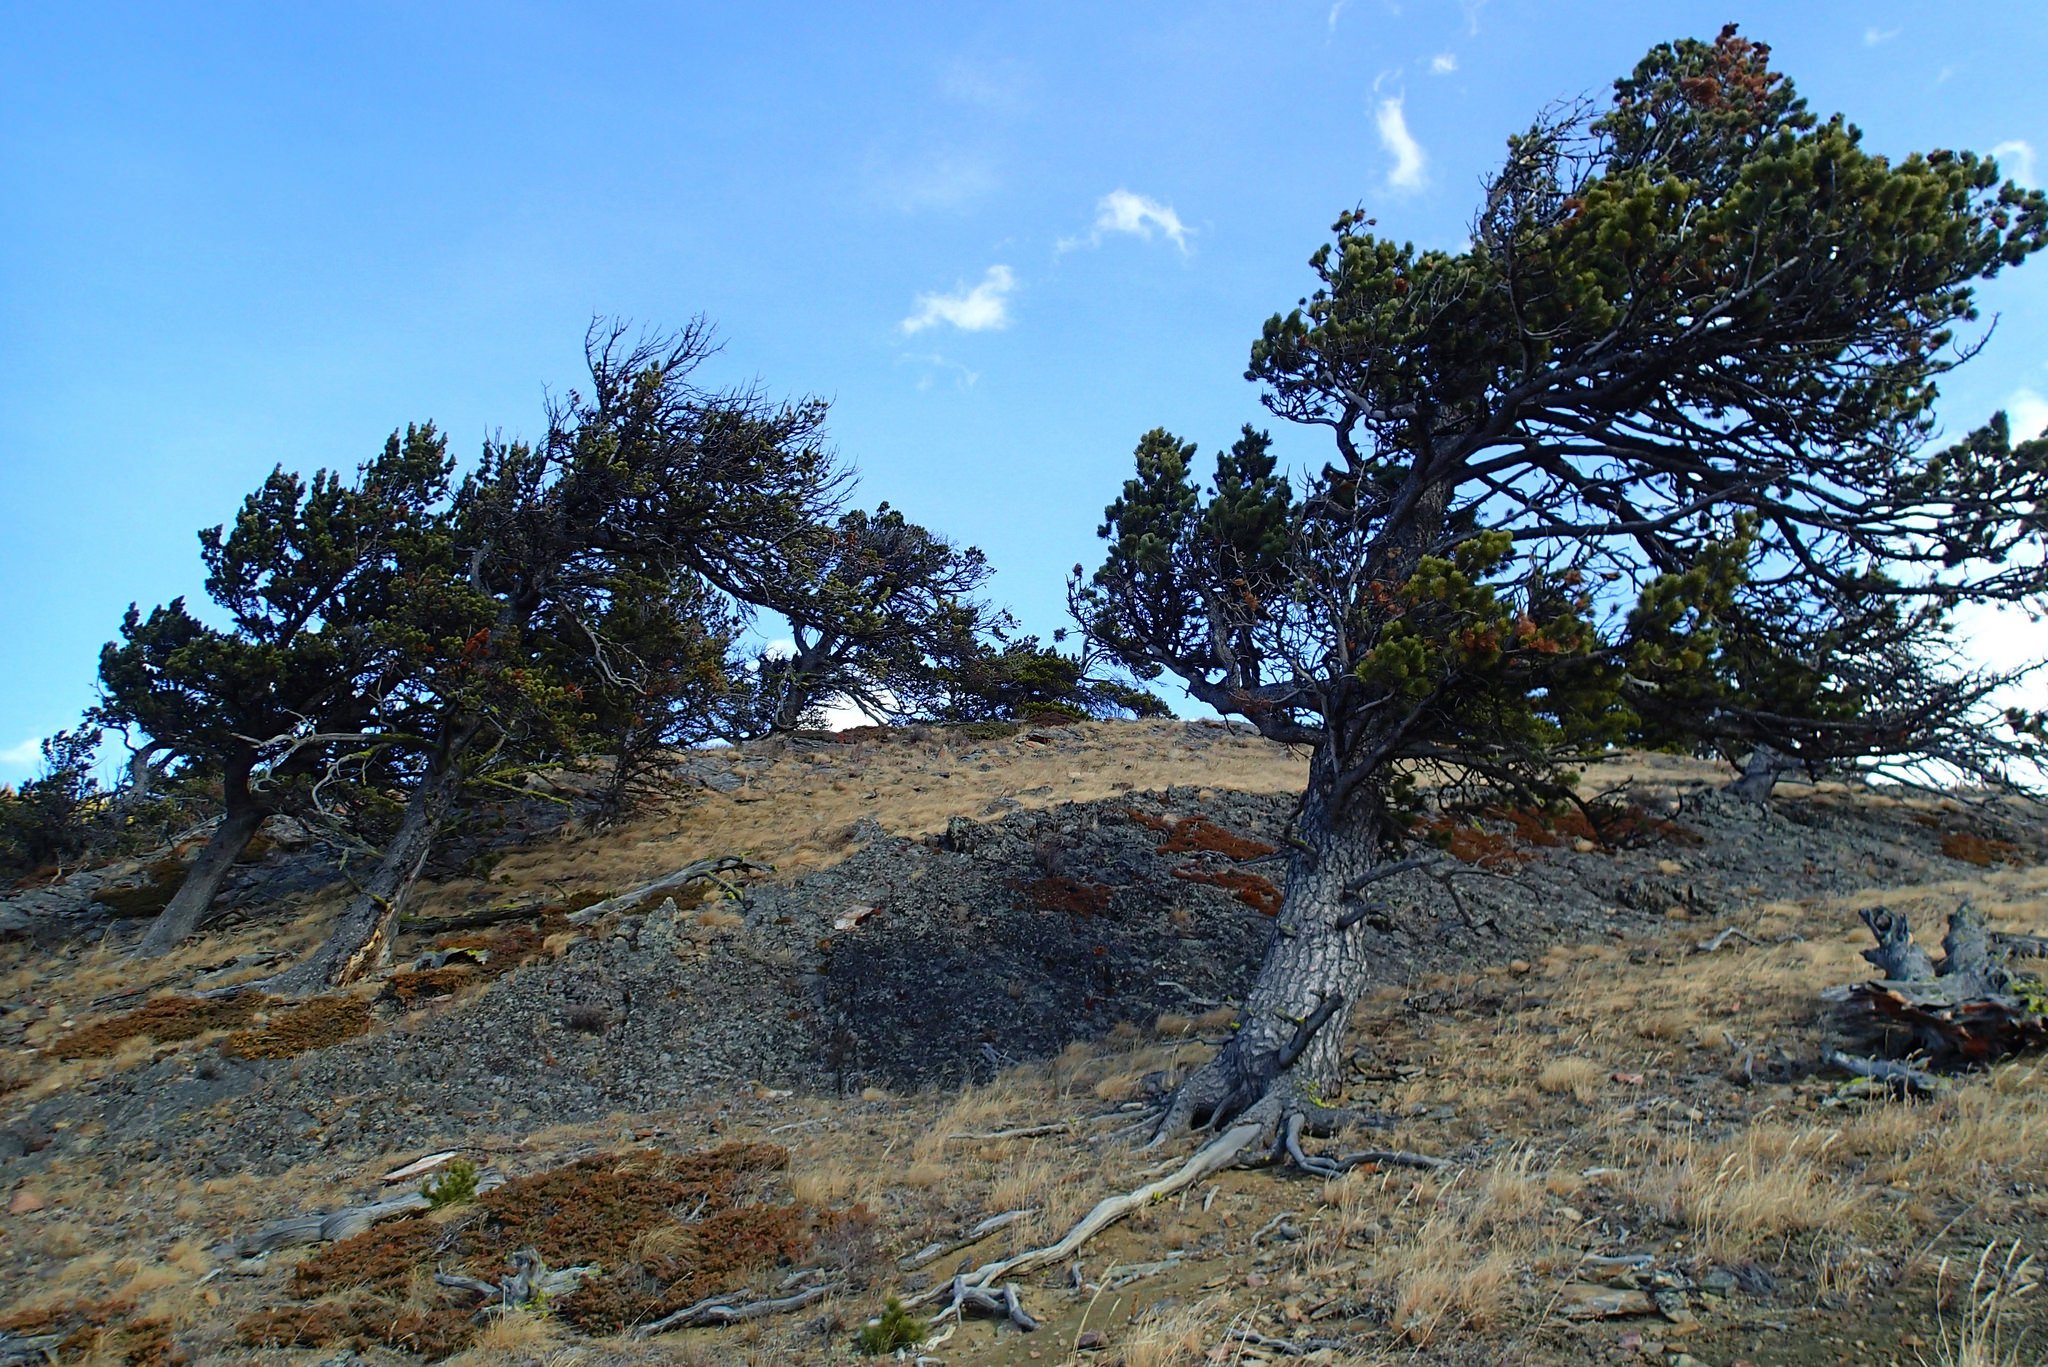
pixel 360 942
pixel 1284 1061
pixel 194 897
pixel 1760 774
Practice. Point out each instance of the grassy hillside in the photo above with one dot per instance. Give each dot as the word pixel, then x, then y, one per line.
pixel 974 964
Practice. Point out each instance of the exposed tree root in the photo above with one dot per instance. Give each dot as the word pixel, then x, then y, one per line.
pixel 719 1310
pixel 1006 1305
pixel 1292 1348
pixel 531 1280
pixel 1219 1153
pixel 932 1252
pixel 1268 1130
pixel 1021 1132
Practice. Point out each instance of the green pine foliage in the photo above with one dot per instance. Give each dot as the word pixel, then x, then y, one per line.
pixel 1648 460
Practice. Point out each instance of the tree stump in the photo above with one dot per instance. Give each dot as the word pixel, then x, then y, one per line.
pixel 1968 1009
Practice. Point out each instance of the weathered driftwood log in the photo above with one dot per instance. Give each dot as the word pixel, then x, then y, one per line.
pixel 722 1310
pixel 1962 1010
pixel 320 1228
pixel 689 873
pixel 531 1280
pixel 1004 1304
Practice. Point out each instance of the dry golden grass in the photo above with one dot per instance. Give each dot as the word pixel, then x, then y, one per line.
pixel 1622 1059
pixel 1772 1184
pixel 1977 1333
pixel 1174 1336
pixel 1579 1077
pixel 797 811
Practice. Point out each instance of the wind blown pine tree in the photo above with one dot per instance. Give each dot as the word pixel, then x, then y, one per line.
pixel 306 576
pixel 539 612
pixel 1652 455
pixel 879 609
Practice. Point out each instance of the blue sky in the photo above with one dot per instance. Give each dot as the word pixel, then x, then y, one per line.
pixel 1004 240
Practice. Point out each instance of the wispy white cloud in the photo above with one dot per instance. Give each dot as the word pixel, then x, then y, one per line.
pixel 1121 211
pixel 2016 159
pixel 934 364
pixel 945 181
pixel 1443 64
pixel 1410 170
pixel 1472 8
pixel 23 756
pixel 997 86
pixel 1335 10
pixel 984 307
pixel 2027 412
pixel 1874 35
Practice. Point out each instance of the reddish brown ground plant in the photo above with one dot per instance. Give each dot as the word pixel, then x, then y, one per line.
pixel 1069 895
pixel 97 1332
pixel 167 1019
pixel 315 1025
pixel 1255 892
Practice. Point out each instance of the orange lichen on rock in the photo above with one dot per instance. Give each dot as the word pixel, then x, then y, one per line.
pixel 314 1025
pixel 167 1020
pixel 1255 892
pixel 1069 895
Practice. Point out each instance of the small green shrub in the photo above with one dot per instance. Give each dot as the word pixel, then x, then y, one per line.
pixel 897 1328
pixel 453 1185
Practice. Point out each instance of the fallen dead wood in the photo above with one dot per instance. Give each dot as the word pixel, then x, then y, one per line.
pixel 1120 1275
pixel 1727 933
pixel 420 1167
pixel 2020 946
pixel 1021 1132
pixel 1292 1348
pixel 1005 1305
pixel 531 1280
pixel 319 1228
pixel 1885 1070
pixel 689 873
pixel 934 1251
pixel 474 920
pixel 1394 1158
pixel 720 1310
pixel 1966 1009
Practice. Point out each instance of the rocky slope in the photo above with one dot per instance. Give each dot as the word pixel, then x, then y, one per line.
pixel 1034 934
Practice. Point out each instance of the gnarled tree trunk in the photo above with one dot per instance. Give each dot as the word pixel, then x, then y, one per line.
pixel 1760 774
pixel 1283 1063
pixel 194 897
pixel 243 816
pixel 361 940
